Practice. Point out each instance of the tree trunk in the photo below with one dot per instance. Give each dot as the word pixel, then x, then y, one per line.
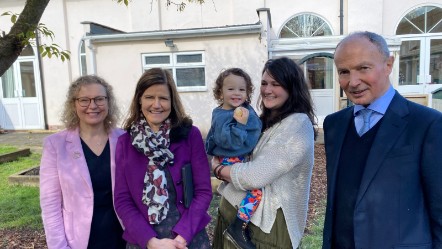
pixel 11 44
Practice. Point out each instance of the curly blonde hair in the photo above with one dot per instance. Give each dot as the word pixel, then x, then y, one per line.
pixel 69 116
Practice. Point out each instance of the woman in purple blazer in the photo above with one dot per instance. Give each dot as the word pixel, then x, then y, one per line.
pixel 77 171
pixel 160 140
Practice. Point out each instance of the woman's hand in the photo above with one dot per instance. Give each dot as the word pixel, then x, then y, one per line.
pixel 181 240
pixel 155 243
pixel 221 172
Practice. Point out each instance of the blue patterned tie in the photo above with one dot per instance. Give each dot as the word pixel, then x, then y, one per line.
pixel 366 114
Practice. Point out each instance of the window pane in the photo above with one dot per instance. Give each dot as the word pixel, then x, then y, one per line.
pixel 189 58
pixel 27 51
pixel 409 62
pixel 160 59
pixel 8 84
pixel 434 17
pixel 405 27
pixel 82 48
pixel 320 72
pixel 426 19
pixel 305 25
pixel 27 79
pixel 436 61
pixel 190 77
pixel 83 65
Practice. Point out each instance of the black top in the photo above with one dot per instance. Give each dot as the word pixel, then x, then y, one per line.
pixel 106 231
pixel 351 167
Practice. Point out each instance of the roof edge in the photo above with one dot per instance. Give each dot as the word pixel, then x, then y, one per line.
pixel 179 33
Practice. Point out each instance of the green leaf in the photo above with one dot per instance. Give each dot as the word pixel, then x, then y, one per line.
pixel 44 54
pixel 13 18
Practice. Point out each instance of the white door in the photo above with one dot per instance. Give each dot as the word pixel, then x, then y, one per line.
pixel 420 65
pixel 21 105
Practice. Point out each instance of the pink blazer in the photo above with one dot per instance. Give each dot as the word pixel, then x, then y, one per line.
pixel 66 195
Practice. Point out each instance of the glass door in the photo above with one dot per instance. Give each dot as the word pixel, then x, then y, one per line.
pixel 420 65
pixel 21 102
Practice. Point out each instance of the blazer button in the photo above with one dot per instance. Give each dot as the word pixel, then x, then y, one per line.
pixel 179 182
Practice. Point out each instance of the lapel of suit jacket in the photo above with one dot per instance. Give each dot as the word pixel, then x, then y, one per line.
pixel 73 146
pixel 393 124
pixel 337 132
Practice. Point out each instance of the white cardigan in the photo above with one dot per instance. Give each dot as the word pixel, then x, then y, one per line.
pixel 281 165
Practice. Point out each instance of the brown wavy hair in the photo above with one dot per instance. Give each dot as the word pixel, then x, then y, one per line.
pixel 69 116
pixel 157 76
pixel 291 77
pixel 218 89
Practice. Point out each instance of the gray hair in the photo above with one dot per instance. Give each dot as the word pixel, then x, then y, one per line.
pixel 374 38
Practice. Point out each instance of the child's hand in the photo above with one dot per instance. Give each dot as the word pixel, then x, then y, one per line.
pixel 241 115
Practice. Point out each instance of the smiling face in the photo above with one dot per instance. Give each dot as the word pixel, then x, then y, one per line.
pixel 272 93
pixel 363 70
pixel 156 105
pixel 234 92
pixel 92 115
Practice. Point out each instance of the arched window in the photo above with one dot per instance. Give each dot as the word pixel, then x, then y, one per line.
pixel 426 19
pixel 305 25
pixel 421 49
pixel 27 51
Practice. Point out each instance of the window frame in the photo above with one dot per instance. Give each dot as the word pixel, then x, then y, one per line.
pixel 173 65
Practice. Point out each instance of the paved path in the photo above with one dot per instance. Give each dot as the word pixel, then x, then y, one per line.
pixel 32 140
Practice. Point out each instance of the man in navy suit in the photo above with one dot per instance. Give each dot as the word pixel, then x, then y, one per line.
pixel 384 158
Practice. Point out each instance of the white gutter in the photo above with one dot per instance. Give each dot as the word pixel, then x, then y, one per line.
pixel 182 33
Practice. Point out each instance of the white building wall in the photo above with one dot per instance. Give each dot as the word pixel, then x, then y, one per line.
pixel 120 64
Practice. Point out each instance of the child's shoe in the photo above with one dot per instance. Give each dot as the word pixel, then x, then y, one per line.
pixel 239 234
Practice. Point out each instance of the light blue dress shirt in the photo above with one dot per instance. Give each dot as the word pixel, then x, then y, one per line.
pixel 379 107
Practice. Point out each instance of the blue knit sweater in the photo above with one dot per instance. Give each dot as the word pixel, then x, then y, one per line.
pixel 229 138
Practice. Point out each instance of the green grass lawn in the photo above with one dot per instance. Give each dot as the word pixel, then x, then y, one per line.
pixel 313 239
pixel 19 205
pixel 7 149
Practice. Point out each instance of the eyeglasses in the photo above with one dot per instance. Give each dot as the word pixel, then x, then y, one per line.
pixel 85 101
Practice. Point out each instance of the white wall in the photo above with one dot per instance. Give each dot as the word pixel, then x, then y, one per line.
pixel 120 64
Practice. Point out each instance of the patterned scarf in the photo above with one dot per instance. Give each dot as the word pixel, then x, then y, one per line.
pixel 156 147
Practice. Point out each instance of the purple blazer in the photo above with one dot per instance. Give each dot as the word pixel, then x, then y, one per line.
pixel 66 194
pixel 131 167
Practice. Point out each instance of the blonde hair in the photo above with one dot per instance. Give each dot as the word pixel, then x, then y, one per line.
pixel 69 116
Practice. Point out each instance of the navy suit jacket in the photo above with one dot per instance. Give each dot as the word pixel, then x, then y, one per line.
pixel 399 203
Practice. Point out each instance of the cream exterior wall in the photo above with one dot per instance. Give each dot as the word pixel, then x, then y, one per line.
pixel 120 63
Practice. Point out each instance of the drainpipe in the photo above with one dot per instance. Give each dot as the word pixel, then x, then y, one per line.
pixel 341 17
pixel 40 68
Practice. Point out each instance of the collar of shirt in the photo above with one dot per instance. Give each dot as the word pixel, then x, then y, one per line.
pixel 379 107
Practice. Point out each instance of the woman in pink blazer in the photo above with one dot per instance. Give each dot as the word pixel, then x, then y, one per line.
pixel 77 171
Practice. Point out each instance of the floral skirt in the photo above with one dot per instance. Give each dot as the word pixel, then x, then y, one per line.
pixel 278 238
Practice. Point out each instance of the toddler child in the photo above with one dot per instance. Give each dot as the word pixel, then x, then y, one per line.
pixel 233 134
